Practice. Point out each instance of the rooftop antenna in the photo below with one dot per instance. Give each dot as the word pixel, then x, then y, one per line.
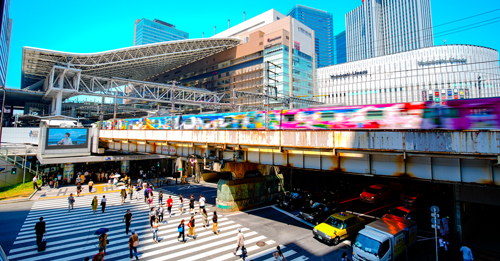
pixel 243 16
pixel 444 41
pixel 228 24
pixel 215 30
pixel 203 34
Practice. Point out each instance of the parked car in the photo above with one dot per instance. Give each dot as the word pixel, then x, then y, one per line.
pixel 318 212
pixel 293 200
pixel 411 197
pixel 375 193
pixel 337 227
pixel 402 212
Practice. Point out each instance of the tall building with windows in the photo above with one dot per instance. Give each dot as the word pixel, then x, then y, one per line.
pixel 147 32
pixel 340 48
pixel 322 24
pixel 382 27
pixel 5 33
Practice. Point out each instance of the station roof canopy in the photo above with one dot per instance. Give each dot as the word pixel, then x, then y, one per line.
pixel 137 63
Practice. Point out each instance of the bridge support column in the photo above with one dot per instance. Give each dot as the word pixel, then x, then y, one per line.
pixel 57 104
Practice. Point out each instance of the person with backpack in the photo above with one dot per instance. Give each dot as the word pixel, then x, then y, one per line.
pixel 103 203
pixel 180 229
pixel 99 256
pixel 191 231
pixel 170 202
pixel 214 222
pixel 133 243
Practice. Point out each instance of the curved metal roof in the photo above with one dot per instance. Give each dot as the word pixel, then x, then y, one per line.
pixel 137 62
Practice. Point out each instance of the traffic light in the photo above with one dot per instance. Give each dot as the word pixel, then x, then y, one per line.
pixel 158 164
pixel 13 170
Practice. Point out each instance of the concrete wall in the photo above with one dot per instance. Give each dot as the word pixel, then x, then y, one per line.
pixel 234 195
pixel 8 179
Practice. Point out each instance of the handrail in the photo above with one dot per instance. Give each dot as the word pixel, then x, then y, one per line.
pixel 17 164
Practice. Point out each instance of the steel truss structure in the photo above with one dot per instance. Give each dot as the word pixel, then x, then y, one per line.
pixel 282 101
pixel 69 82
pixel 142 62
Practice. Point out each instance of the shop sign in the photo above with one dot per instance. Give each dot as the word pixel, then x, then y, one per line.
pixel 272 45
pixel 296 45
pixel 442 61
pixel 345 75
pixel 274 38
pixel 33 134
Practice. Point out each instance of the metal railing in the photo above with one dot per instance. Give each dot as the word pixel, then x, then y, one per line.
pixel 19 164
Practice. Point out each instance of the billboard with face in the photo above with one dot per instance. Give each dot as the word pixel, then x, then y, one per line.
pixel 66 138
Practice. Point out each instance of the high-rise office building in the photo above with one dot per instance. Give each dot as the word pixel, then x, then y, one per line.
pixel 5 32
pixel 147 32
pixel 322 24
pixel 381 27
pixel 340 48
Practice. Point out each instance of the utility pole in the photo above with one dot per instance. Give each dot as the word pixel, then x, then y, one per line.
pixel 172 101
pixel 435 225
pixel 267 87
pixel 1 117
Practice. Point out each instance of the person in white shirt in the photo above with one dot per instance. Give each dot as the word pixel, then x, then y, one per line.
pixel 35 185
pixel 66 141
pixel 202 201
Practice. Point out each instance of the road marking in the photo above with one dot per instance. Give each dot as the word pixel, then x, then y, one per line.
pixel 245 211
pixel 294 217
pixel 264 253
pixel 365 214
pixel 349 200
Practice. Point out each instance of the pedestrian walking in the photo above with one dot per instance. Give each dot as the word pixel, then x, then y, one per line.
pixel 155 227
pixel 344 257
pixel 137 189
pixel 78 189
pixel 103 241
pixel 160 197
pixel 191 205
pixel 443 249
pixel 94 204
pixel 133 243
pixel 214 223
pixel 91 184
pixel 204 218
pixel 78 179
pixel 278 255
pixel 103 203
pixel 39 230
pixel 35 184
pixel 56 182
pixel 146 195
pixel 160 211
pixel 127 218
pixel 467 253
pixel 150 202
pixel 71 201
pixel 131 192
pixel 99 256
pixel 170 202
pixel 191 231
pixel 123 194
pixel 181 201
pixel 180 229
pixel 201 203
pixel 152 216
pixel 240 242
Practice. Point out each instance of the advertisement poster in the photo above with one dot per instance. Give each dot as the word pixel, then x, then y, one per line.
pixel 66 138
pixel 69 171
pixel 125 166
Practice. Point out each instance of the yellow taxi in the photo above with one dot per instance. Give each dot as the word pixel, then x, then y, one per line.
pixel 338 227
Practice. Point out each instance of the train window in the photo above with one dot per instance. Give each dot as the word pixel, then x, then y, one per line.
pixel 227 120
pixel 429 113
pixel 289 117
pixel 188 121
pixel 374 115
pixel 205 121
pixel 327 116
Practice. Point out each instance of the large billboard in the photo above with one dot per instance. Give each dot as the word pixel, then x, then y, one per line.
pixel 67 138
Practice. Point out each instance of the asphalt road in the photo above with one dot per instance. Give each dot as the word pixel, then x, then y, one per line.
pixel 12 216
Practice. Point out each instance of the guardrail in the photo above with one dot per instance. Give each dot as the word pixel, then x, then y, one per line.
pixel 20 165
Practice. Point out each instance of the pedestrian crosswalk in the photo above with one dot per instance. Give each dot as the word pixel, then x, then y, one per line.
pixel 70 234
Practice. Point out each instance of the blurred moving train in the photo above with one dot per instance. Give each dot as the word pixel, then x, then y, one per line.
pixel 481 113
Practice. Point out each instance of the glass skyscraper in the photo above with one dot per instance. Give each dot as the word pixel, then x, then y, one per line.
pixel 340 48
pixel 5 32
pixel 322 24
pixel 147 32
pixel 379 28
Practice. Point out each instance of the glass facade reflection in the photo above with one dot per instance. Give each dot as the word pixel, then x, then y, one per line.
pixel 322 24
pixel 341 52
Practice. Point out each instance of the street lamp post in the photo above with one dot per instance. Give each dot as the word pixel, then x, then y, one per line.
pixel 1 117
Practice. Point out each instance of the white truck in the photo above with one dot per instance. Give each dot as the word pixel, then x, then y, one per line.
pixel 385 239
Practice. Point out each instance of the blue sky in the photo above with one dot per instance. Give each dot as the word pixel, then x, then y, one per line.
pixel 100 25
